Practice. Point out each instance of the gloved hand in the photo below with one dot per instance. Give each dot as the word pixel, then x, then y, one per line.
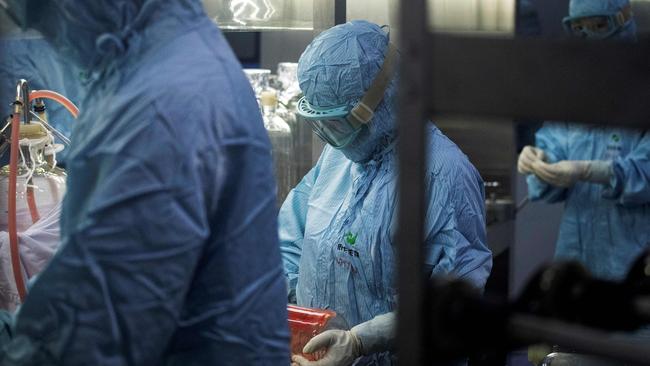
pixel 566 173
pixel 344 347
pixel 528 156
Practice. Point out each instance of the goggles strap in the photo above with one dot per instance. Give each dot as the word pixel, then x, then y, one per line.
pixel 364 110
pixel 624 15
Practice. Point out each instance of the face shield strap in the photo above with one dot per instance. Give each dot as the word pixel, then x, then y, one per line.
pixel 624 15
pixel 363 111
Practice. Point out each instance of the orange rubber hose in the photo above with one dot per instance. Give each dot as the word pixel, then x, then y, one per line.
pixel 48 94
pixel 13 230
pixel 13 180
pixel 31 203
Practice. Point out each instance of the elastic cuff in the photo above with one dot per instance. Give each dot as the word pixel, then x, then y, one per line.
pixel 599 171
pixel 376 335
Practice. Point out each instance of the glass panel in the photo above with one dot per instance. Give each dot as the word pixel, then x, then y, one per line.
pixel 492 16
pixel 246 15
pixel 641 10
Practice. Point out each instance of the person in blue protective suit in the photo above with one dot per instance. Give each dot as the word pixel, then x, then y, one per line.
pixel 602 174
pixel 337 225
pixel 169 249
pixel 600 19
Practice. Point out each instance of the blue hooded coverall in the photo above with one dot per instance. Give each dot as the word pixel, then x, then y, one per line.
pixel 169 249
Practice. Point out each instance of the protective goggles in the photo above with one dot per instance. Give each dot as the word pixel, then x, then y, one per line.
pixel 340 125
pixel 597 26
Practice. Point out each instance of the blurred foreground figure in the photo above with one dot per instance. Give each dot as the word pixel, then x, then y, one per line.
pixel 169 245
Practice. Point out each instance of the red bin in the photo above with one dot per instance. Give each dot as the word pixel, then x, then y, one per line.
pixel 304 324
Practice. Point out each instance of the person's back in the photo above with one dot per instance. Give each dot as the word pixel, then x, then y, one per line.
pixel 170 251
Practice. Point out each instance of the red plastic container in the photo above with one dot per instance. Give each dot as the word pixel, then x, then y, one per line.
pixel 305 323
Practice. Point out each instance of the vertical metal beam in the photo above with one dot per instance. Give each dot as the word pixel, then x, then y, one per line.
pixel 414 87
pixel 340 11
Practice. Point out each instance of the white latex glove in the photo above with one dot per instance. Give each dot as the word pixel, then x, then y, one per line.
pixel 343 347
pixel 528 156
pixel 566 173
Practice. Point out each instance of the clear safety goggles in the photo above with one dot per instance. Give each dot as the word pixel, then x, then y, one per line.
pixel 330 124
pixel 340 125
pixel 597 26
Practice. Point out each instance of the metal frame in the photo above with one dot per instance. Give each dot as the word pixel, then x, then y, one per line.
pixel 593 82
pixel 414 92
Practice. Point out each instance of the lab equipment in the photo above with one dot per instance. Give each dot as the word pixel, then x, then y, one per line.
pixel 31 185
pixel 600 19
pixel 167 191
pixel 40 184
pixel 604 225
pixel 28 56
pixel 259 79
pixel 337 225
pixel 281 142
pixel 289 94
pixel 37 246
pixel 289 87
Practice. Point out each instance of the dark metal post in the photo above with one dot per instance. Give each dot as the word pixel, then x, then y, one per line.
pixel 414 86
pixel 340 11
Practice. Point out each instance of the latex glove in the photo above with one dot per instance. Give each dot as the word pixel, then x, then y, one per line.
pixel 566 173
pixel 343 347
pixel 528 156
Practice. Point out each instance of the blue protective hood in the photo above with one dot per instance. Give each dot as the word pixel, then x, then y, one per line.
pixel 583 8
pixel 94 34
pixel 337 68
